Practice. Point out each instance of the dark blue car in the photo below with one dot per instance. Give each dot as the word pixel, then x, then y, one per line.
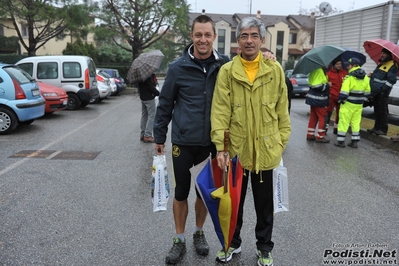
pixel 119 81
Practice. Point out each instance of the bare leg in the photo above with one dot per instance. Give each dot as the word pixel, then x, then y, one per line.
pixel 200 213
pixel 180 212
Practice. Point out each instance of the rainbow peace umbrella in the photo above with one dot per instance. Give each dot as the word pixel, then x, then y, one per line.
pixel 221 195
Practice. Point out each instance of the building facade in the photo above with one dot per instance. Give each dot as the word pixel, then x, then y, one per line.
pixel 288 37
pixel 54 46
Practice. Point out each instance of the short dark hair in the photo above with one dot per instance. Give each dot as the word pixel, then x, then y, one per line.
pixel 203 19
pixel 386 51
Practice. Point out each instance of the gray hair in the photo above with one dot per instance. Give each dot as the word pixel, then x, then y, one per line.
pixel 250 22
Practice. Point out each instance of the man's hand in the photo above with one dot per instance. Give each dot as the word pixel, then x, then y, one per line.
pixel 223 159
pixel 269 55
pixel 159 149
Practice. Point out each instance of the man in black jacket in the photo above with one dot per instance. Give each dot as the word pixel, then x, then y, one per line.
pixel 185 100
pixel 148 91
pixel 381 82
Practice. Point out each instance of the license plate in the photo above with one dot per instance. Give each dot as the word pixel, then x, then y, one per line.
pixel 35 93
pixel 65 102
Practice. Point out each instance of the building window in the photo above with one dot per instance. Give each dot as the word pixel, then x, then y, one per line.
pixel 1 31
pixel 221 41
pixel 24 31
pixel 279 45
pixel 292 38
pixel 233 37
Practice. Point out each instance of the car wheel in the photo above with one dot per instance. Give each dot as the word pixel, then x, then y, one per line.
pixel 27 122
pixel 8 121
pixel 73 101
pixel 96 100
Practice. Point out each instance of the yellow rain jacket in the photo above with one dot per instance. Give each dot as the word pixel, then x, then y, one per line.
pixel 256 113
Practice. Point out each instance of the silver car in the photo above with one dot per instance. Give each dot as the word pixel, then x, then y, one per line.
pixel 103 85
pixel 299 83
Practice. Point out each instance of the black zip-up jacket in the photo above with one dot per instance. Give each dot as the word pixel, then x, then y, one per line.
pixel 186 99
pixel 147 89
pixel 383 78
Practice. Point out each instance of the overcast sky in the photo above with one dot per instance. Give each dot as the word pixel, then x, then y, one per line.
pixel 274 7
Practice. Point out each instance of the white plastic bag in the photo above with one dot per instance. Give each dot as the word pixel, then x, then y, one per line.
pixel 280 188
pixel 160 184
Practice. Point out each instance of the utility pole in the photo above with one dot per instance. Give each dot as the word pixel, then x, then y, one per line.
pixel 250 8
pixel 353 5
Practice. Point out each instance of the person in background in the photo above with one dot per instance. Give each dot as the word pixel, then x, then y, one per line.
pixel 290 88
pixel 148 91
pixel 250 99
pixel 186 99
pixel 335 76
pixel 317 98
pixel 381 81
pixel 355 90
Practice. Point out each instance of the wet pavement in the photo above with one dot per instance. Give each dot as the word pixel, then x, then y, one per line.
pixel 99 211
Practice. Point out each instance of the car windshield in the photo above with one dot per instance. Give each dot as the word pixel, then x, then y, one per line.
pixel 104 74
pixel 18 74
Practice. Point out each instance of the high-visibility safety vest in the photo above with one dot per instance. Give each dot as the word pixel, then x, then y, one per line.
pixel 356 86
pixel 318 89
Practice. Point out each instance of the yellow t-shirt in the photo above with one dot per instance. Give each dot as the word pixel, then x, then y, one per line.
pixel 251 67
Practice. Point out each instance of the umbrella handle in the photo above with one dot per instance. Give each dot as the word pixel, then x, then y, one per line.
pixel 226 152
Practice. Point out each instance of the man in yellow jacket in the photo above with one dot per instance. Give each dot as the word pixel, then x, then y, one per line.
pixel 250 99
pixel 354 91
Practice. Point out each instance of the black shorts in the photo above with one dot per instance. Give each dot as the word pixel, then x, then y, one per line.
pixel 183 158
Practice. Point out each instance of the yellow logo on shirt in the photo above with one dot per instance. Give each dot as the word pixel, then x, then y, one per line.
pixel 175 151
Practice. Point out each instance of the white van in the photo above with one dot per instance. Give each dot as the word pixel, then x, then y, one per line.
pixel 76 74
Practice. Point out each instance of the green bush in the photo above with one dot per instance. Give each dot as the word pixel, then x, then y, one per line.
pixel 11 58
pixel 80 48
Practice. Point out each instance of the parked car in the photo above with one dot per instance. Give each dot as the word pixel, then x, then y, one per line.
pixel 103 85
pixel 299 83
pixel 20 99
pixel 56 98
pixel 112 82
pixel 76 74
pixel 119 81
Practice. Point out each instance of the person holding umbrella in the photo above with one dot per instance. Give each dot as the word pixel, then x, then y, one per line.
pixel 147 91
pixel 355 89
pixel 317 98
pixel 250 99
pixel 381 81
pixel 186 99
pixel 335 75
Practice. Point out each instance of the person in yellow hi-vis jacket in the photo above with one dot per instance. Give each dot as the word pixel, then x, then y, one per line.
pixel 354 91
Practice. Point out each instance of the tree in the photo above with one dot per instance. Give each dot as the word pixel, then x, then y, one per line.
pixel 113 54
pixel 142 23
pixel 43 20
pixel 80 48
